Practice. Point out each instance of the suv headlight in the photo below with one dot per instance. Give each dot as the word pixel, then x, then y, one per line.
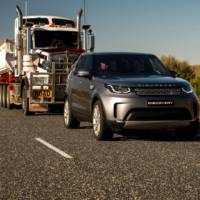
pixel 118 89
pixel 187 88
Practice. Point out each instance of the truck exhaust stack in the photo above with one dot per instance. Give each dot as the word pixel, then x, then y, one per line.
pixel 78 24
pixel 19 44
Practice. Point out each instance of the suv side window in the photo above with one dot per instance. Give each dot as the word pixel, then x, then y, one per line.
pixel 84 63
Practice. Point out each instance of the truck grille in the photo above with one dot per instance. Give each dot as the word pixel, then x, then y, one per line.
pixel 157 91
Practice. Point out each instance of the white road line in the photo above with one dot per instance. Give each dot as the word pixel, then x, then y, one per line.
pixel 62 153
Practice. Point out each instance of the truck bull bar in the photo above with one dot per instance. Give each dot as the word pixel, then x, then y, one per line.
pixel 49 87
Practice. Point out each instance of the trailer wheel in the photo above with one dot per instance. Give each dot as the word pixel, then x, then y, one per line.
pixel 4 96
pixel 25 102
pixel 9 105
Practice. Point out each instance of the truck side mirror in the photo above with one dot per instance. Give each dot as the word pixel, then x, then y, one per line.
pixel 92 42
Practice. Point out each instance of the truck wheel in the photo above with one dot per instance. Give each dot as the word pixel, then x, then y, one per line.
pixel 25 102
pixel 4 96
pixel 9 105
pixel 1 95
pixel 69 120
pixel 188 133
pixel 101 129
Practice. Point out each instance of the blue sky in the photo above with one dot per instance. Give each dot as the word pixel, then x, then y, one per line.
pixel 162 27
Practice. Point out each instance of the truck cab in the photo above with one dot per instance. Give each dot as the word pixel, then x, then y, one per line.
pixel 45 49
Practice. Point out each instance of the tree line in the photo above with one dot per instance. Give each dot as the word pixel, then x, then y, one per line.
pixel 184 70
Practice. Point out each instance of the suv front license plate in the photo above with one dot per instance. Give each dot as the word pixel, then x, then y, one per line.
pixel 160 103
pixel 42 94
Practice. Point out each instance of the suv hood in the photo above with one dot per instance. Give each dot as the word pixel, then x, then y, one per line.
pixel 143 81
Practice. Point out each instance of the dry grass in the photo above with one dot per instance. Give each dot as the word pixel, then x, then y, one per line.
pixel 196 70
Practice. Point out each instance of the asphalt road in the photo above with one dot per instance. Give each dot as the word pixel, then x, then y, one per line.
pixel 144 165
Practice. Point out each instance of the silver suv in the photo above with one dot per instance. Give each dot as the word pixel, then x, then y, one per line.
pixel 117 91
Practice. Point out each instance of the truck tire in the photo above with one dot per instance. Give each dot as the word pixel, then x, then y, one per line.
pixel 1 95
pixel 9 105
pixel 25 102
pixel 4 96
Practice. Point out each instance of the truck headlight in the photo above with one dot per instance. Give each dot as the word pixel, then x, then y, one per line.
pixel 118 89
pixel 40 80
pixel 187 88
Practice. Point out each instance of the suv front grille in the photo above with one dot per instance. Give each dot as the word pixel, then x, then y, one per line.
pixel 159 114
pixel 157 91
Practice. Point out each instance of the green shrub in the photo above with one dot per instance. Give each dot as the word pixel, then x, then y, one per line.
pixel 196 84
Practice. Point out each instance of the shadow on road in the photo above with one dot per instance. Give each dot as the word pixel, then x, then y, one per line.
pixel 153 135
pixel 147 135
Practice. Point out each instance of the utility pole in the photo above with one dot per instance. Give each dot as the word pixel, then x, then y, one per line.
pixel 26 7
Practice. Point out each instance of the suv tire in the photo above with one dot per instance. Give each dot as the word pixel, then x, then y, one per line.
pixel 69 120
pixel 188 133
pixel 101 129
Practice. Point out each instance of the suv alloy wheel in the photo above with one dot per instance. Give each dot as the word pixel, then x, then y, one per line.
pixel 100 128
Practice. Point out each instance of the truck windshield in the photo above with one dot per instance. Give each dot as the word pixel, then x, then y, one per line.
pixel 55 39
pixel 128 64
pixel 63 22
pixel 37 20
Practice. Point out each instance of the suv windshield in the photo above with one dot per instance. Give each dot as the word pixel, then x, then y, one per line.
pixel 127 64
pixel 55 39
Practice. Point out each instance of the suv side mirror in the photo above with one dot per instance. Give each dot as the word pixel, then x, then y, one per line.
pixel 83 73
pixel 173 73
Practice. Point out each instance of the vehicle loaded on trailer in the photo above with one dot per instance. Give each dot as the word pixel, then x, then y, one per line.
pixel 34 67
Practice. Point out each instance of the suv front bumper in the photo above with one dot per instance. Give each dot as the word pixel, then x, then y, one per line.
pixel 135 113
pixel 156 124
